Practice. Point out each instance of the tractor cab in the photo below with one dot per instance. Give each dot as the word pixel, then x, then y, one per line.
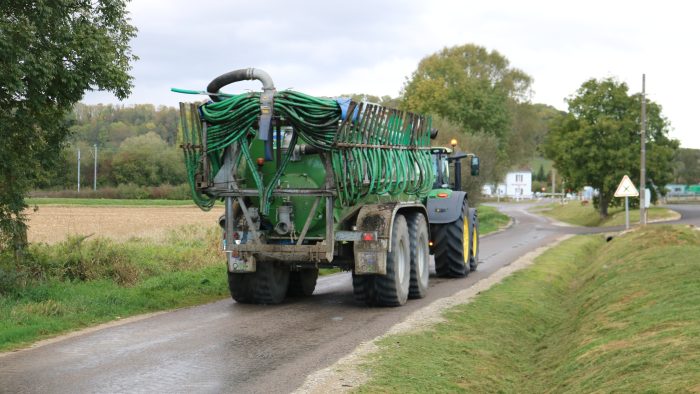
pixel 443 158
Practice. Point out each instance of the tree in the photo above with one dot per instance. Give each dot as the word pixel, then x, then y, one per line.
pixel 598 141
pixel 469 86
pixel 51 52
pixel 146 160
pixel 541 177
pixel 687 166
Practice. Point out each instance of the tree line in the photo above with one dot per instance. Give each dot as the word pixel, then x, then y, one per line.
pixel 135 144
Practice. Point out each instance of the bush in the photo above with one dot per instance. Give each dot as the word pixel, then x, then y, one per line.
pixel 123 191
pixel 78 259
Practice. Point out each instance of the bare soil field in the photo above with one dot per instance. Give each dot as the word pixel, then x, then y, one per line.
pixel 51 224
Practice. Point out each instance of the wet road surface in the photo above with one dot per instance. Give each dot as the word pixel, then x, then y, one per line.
pixel 229 347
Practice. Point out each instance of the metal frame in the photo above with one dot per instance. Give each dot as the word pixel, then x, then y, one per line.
pixel 321 252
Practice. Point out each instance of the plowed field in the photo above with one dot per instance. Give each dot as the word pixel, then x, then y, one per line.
pixel 51 224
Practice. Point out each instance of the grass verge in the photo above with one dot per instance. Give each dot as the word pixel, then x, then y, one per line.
pixel 586 215
pixel 490 219
pixel 82 282
pixel 588 316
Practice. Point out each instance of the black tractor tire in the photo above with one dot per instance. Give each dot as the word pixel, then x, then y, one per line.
pixel 302 283
pixel 450 247
pixel 390 289
pixel 473 239
pixel 267 285
pixel 420 255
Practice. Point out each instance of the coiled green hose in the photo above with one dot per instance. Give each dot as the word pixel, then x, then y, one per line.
pixel 376 150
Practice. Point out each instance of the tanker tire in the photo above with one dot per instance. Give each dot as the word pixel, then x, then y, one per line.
pixel 474 242
pixel 302 283
pixel 239 286
pixel 448 241
pixel 420 255
pixel 267 285
pixel 363 288
pixel 390 289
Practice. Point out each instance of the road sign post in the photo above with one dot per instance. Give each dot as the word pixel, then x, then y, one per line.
pixel 626 189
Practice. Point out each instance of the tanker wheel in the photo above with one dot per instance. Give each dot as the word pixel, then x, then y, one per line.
pixel 302 283
pixel 240 287
pixel 363 288
pixel 390 289
pixel 451 246
pixel 420 255
pixel 267 285
pixel 474 239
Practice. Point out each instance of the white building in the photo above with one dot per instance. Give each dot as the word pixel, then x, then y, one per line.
pixel 518 184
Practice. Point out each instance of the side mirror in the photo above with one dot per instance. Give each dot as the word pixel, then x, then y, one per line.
pixel 475 166
pixel 433 133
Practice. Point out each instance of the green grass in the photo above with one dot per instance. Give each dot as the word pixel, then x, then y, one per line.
pixel 82 282
pixel 588 316
pixel 490 219
pixel 586 215
pixel 106 202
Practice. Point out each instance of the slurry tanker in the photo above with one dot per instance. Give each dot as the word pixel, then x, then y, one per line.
pixel 310 182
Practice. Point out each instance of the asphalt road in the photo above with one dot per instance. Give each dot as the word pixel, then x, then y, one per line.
pixel 229 347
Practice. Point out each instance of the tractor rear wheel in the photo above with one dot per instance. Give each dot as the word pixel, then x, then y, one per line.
pixel 451 246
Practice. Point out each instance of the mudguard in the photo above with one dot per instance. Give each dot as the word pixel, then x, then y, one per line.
pixel 370 256
pixel 445 210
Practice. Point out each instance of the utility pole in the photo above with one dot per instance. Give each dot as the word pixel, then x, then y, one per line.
pixel 554 177
pixel 78 170
pixel 94 177
pixel 643 171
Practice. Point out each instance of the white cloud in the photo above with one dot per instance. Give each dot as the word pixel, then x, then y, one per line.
pixel 328 48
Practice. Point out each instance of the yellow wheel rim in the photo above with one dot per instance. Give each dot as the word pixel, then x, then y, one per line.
pixel 474 242
pixel 465 235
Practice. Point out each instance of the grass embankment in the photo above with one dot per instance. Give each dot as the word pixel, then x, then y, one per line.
pixel 588 316
pixel 107 202
pixel 586 215
pixel 82 282
pixel 490 220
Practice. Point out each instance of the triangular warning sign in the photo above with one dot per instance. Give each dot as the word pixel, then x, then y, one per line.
pixel 626 188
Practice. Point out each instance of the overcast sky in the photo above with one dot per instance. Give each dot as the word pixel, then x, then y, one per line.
pixel 326 48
